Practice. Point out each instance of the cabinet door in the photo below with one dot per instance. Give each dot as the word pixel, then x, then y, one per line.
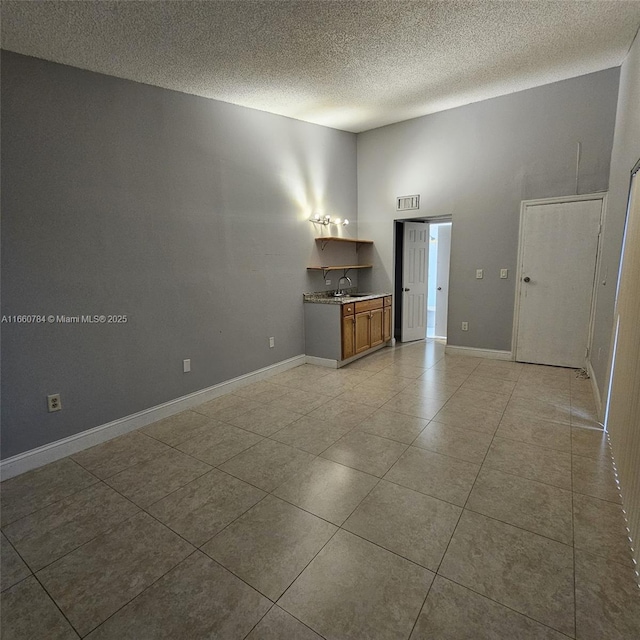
pixel 363 334
pixel 386 324
pixel 348 337
pixel 376 328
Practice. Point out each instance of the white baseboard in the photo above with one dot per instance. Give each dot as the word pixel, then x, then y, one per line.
pixel 493 354
pixel 321 362
pixel 596 392
pixel 73 444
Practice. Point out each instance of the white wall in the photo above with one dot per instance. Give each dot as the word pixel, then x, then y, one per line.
pixel 625 154
pixel 477 163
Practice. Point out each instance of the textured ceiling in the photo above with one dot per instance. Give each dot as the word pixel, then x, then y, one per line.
pixel 353 65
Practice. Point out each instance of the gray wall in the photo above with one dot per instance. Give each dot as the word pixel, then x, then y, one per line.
pixel 186 214
pixel 625 154
pixel 477 163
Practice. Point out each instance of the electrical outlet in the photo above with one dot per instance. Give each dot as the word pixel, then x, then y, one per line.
pixel 327 282
pixel 54 403
pixel 186 365
pixel 504 273
pixel 272 342
pixel 465 326
pixel 479 274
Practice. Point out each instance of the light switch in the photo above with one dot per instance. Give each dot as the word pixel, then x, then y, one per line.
pixel 479 274
pixel 186 365
pixel 504 273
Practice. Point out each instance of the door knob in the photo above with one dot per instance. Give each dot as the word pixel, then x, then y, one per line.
pixel 406 289
pixel 439 288
pixel 527 279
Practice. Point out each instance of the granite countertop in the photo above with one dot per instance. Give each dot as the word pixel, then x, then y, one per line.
pixel 327 297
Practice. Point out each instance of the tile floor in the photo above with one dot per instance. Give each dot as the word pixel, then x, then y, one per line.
pixel 408 495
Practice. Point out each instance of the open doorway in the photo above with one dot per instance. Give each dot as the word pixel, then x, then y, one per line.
pixel 423 248
pixel 438 279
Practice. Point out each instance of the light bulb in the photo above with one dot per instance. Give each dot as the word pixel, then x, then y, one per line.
pixel 337 221
pixel 345 222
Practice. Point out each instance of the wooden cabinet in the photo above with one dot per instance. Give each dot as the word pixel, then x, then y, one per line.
pixel 348 336
pixel 375 326
pixel 386 319
pixel 386 323
pixel 362 333
pixel 365 324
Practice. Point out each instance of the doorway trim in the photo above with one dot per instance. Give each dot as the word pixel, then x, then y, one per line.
pixel 398 263
pixel 602 196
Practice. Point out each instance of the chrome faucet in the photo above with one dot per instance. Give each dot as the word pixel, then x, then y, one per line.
pixel 340 292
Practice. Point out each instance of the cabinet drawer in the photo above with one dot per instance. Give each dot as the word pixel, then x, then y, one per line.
pixel 369 305
pixel 387 301
pixel 348 309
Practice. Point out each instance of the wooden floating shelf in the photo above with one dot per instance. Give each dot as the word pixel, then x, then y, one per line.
pixel 339 267
pixel 326 239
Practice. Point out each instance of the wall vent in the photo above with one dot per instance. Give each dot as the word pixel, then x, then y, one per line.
pixel 407 203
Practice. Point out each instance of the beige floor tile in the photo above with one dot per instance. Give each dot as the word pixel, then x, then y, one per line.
pixel 300 401
pixel 436 475
pixel 354 589
pixel 12 567
pixel 304 372
pixel 590 443
pixel 371 396
pixel 227 407
pixel 464 444
pixel 465 416
pixel 414 405
pixel 550 435
pixel 267 464
pixel 201 509
pixel 94 581
pixel 175 429
pixel 114 456
pixel 327 489
pixel 607 599
pixel 48 534
pixel 429 389
pixel 540 390
pixel 497 369
pixel 395 426
pixel 405 370
pixel 601 529
pixel 539 409
pixel 310 434
pixel 270 545
pixel 475 398
pixel 386 380
pixel 595 478
pixel 279 625
pixel 365 452
pixel 458 363
pixel 262 391
pixel 197 600
pixel 486 384
pixel 217 444
pixel 527 460
pixel 151 481
pixel 265 420
pixel 411 524
pixel 36 489
pixel 537 507
pixel 329 386
pixel 29 613
pixel 522 570
pixel 444 377
pixel 347 414
pixel 352 377
pixel 452 612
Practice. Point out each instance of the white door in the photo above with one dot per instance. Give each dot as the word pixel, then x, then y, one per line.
pixel 414 281
pixel 559 246
pixel 442 283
